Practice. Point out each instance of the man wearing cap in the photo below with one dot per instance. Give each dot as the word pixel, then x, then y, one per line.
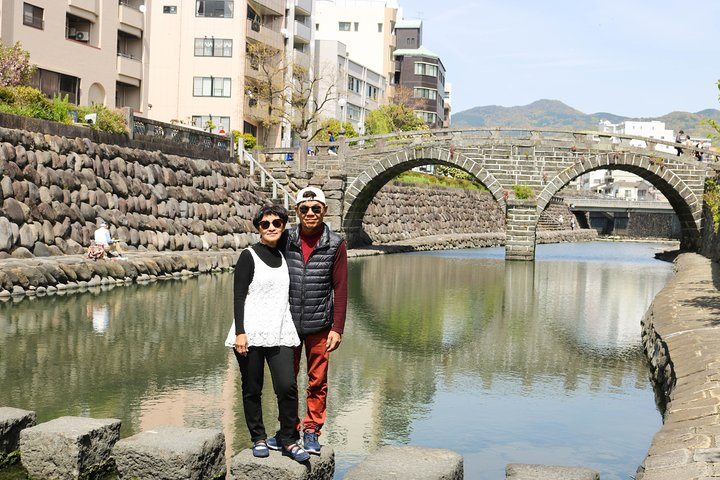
pixel 102 237
pixel 317 261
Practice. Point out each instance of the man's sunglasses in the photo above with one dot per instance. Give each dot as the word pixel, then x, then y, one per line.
pixel 277 223
pixel 317 209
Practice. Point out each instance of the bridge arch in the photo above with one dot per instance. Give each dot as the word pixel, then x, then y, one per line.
pixel 361 191
pixel 682 198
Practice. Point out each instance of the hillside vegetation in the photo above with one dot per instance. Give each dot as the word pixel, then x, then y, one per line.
pixel 555 114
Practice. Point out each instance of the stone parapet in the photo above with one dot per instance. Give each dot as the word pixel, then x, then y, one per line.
pixel 517 471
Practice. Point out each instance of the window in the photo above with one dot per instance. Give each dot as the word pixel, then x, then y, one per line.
pixel 317 27
pixel 427 117
pixel 429 93
pixel 353 112
pixel 344 26
pixel 169 9
pixel 32 16
pixel 356 26
pixel 379 27
pixel 211 87
pixel 426 69
pixel 214 8
pixel 213 47
pixel 372 92
pixel 56 84
pixel 205 121
pixel 353 84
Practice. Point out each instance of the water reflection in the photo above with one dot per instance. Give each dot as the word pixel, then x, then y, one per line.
pixel 502 362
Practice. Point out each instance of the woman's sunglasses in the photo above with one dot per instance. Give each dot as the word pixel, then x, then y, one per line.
pixel 315 208
pixel 277 223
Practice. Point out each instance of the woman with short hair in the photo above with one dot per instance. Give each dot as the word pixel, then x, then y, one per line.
pixel 263 331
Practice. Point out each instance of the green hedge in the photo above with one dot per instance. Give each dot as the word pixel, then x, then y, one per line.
pixel 31 102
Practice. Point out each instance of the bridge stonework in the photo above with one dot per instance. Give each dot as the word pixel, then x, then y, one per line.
pixel 544 160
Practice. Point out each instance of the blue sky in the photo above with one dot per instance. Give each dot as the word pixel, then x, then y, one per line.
pixel 637 58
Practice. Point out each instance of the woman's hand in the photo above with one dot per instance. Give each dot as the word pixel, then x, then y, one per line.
pixel 241 344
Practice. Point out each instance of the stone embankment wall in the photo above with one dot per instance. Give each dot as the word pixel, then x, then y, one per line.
pixel 403 211
pixel 55 191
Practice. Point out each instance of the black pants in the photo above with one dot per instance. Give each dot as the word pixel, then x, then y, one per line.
pixel 252 371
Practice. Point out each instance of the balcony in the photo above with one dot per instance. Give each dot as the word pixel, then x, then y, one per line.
pixel 129 70
pixel 268 7
pixel 303 7
pixel 132 21
pixel 262 34
pixel 87 5
pixel 301 32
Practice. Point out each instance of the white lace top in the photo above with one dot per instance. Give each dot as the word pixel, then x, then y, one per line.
pixel 268 322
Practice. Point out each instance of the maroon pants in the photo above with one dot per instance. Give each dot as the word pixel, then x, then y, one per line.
pixel 317 367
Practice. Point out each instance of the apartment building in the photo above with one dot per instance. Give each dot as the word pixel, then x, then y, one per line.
pixel 365 27
pixel 93 51
pixel 353 89
pixel 204 58
pixel 419 76
pixel 196 63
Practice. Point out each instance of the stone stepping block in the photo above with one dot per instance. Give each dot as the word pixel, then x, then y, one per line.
pixel 520 471
pixel 66 447
pixel 409 462
pixel 245 466
pixel 169 453
pixel 12 422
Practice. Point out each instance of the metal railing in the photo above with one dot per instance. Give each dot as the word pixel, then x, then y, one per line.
pixel 277 188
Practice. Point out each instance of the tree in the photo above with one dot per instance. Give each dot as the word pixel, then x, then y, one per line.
pixel 284 91
pixel 393 118
pixel 333 125
pixel 712 123
pixel 15 66
pixel 267 86
pixel 305 107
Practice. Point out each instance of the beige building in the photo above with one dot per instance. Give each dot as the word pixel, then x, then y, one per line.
pixel 199 68
pixel 93 51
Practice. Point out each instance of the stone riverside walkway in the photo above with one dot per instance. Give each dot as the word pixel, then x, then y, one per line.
pixel 685 319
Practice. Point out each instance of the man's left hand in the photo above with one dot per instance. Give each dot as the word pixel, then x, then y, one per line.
pixel 333 341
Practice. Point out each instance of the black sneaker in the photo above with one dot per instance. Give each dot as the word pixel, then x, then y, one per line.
pixel 311 442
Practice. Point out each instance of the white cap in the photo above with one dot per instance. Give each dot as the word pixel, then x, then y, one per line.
pixel 310 193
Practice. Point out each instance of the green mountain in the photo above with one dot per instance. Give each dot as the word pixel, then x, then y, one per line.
pixel 555 114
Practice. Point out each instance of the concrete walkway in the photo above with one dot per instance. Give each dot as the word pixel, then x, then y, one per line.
pixel 685 317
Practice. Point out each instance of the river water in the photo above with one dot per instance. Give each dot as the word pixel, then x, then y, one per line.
pixel 501 362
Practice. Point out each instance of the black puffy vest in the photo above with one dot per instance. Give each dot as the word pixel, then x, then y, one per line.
pixel 311 302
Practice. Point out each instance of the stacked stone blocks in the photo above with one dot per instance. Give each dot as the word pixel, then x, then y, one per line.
pixel 55 190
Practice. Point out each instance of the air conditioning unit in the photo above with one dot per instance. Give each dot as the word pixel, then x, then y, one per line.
pixel 82 36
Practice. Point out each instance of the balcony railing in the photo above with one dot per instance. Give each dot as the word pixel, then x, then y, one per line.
pixel 132 18
pixel 302 32
pixel 303 6
pixel 129 67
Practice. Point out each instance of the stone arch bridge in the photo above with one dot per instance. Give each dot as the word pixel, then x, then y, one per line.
pixel 545 160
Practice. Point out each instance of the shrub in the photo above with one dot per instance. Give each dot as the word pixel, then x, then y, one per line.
pixel 111 121
pixel 523 192
pixel 712 200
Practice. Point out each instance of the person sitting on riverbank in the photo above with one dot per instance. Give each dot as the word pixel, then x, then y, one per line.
pixel 263 331
pixel 110 245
